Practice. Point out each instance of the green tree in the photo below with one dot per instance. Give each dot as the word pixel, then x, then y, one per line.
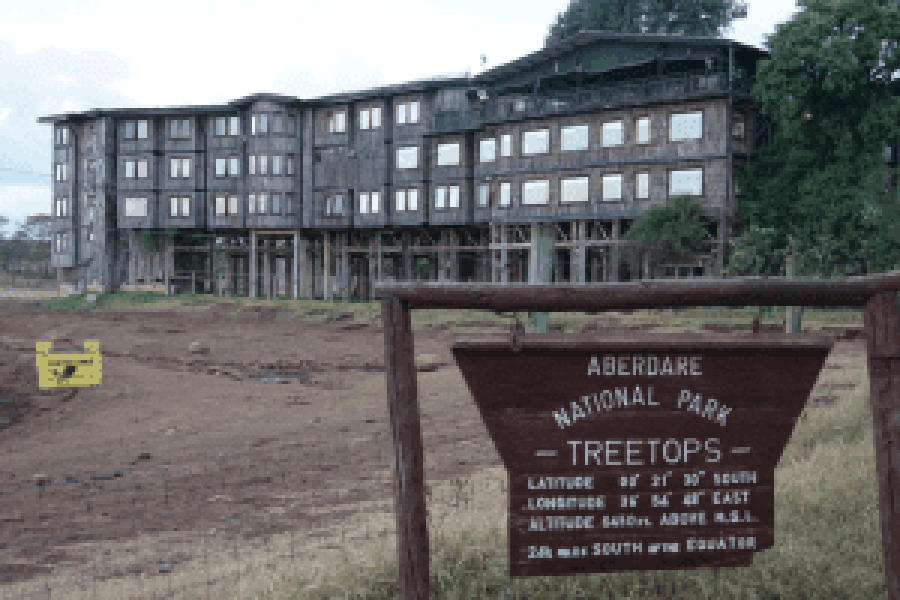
pixel 816 188
pixel 685 17
pixel 672 232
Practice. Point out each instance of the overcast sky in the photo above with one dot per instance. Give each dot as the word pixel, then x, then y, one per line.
pixel 59 56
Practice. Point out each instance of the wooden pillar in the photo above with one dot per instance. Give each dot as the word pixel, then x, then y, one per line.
pixel 380 264
pixel 295 274
pixel 407 257
pixel 882 330
pixel 409 459
pixel 579 253
pixel 504 253
pixel 442 258
pixel 614 253
pixel 495 260
pixel 326 266
pixel 543 238
pixel 267 271
pixel 374 259
pixel 453 256
pixel 253 264
pixel 345 266
pixel 722 245
pixel 169 260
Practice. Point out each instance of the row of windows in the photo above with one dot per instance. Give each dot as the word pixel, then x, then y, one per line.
pixel 276 162
pixel 370 118
pixel 180 206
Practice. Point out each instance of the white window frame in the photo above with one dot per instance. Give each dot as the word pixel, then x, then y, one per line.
pixel 262 204
pixel 536 192
pixel 638 138
pixel 363 204
pixel 233 207
pixel 487 150
pixel 505 194
pixel 484 195
pixel 695 177
pixel 408 157
pixel 221 206
pixel 374 202
pixel 130 169
pixel 142 168
pixel 448 154
pixel 412 199
pixel 574 189
pixel 613 133
pixel 440 197
pixel 234 166
pixel 536 141
pixel 179 167
pixel 642 185
pixel 337 121
pixel 574 138
pixel 221 125
pixel 276 165
pixel 686 126
pixel 400 200
pixel 221 167
pixel 135 207
pixel 408 112
pixel 263 164
pixel 275 207
pixel 611 182
pixel 234 126
pixel 453 196
pixel 506 145
pixel 142 130
pixel 251 164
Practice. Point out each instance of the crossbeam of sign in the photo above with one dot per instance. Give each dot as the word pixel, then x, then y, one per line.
pixel 69 369
pixel 646 453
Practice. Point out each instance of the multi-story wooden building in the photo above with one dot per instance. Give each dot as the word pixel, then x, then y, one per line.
pixel 455 179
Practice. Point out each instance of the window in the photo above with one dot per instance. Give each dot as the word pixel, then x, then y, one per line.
pixel 375 204
pixel 642 130
pixel 129 130
pixel 521 105
pixel 334 205
pixel 180 128
pixel 505 193
pixel 276 204
pixel 277 123
pixel 737 129
pixel 368 202
pixel 688 182
pixel 221 126
pixel 142 130
pixel 135 207
pixel 487 150
pixel 180 167
pixel 235 128
pixel 251 165
pixel 574 189
pixel 226 206
pixel 506 145
pixel 574 138
pixel 536 192
pixel 227 166
pixel 408 112
pixel 446 196
pixel 363 203
pixel 612 187
pixel 62 136
pixel 408 157
pixel 484 194
pixel 612 134
pixel 448 154
pixel 370 118
pixel 290 165
pixel 141 169
pixel 643 185
pixel 536 142
pixel 259 124
pixel 336 121
pixel 276 165
pixel 263 165
pixel 257 204
pixel 179 206
pixel 686 126
pixel 62 172
pixel 60 207
pixel 407 199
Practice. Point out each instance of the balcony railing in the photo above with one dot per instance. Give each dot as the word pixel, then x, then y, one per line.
pixel 498 110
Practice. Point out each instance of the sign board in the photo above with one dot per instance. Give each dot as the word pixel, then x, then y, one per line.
pixel 640 453
pixel 69 369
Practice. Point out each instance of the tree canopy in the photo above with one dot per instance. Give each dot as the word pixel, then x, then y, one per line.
pixel 816 188
pixel 685 17
pixel 671 231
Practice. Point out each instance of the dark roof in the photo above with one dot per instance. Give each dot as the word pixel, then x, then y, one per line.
pixel 583 38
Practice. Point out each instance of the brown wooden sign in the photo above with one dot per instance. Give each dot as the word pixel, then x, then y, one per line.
pixel 640 453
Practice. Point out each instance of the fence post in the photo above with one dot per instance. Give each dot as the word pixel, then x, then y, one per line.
pixel 793 312
pixel 409 459
pixel 882 329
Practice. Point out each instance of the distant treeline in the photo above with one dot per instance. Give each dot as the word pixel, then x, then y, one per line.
pixel 25 255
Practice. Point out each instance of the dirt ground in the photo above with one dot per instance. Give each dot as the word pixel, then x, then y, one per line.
pixel 270 426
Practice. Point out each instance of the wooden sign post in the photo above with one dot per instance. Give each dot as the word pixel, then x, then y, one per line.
pixel 640 454
pixel 876 293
